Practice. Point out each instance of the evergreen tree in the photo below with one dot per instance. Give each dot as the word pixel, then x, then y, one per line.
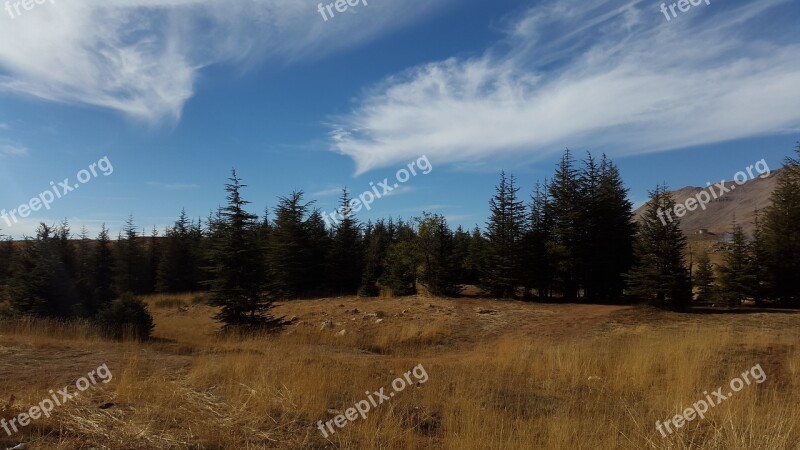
pixel 41 285
pixel 102 275
pixel 538 249
pixel 475 257
pixel 7 252
pixel 237 287
pixel 735 278
pixel 289 251
pixel 503 265
pixel 402 260
pixel 83 278
pixel 781 237
pixel 461 242
pixel 318 242
pixel 758 267
pixel 611 237
pixel 660 275
pixel 345 261
pixel 128 273
pixel 567 233
pixel 152 261
pixel 704 278
pixel 439 268
pixel 377 239
pixel 178 265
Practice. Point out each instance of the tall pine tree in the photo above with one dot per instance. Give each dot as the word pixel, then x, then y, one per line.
pixel 660 275
pixel 237 287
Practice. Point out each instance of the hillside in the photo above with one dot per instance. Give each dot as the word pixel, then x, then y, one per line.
pixel 741 202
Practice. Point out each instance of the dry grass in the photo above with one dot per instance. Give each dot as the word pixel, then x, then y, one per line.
pixel 517 376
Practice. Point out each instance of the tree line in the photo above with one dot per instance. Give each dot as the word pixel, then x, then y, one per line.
pixel 574 238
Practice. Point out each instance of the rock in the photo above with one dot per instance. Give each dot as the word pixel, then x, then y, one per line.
pixel 341 333
pixel 593 378
pixel 379 321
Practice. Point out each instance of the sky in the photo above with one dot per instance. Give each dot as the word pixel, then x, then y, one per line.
pixel 156 101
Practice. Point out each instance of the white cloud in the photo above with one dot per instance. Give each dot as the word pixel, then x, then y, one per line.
pixel 12 150
pixel 141 57
pixel 327 192
pixel 578 74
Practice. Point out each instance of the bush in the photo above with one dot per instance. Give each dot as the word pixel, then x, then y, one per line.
pixel 124 317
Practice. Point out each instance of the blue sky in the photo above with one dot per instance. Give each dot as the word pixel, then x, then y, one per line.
pixel 177 92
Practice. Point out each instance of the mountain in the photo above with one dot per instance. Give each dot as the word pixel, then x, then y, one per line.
pixel 741 202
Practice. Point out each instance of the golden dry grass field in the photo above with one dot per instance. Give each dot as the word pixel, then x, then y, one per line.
pixel 502 375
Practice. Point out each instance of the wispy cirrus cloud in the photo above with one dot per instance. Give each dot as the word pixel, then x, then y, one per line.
pixel 12 150
pixel 589 74
pixel 142 57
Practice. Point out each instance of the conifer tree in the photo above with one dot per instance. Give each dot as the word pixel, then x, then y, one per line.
pixel 704 278
pixel 345 261
pixel 83 278
pixel 41 284
pixel 567 233
pixel 237 286
pixel 152 261
pixel 402 261
pixel 377 239
pixel 438 268
pixel 735 277
pixel 318 242
pixel 759 258
pixel 128 274
pixel 538 250
pixel 475 256
pixel 660 275
pixel 102 275
pixel 289 252
pixel 6 259
pixel 612 235
pixel 781 237
pixel 503 265
pixel 178 265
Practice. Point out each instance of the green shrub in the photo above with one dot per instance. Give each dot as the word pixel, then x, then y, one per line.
pixel 126 316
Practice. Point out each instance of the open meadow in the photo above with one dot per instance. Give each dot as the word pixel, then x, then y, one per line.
pixel 499 374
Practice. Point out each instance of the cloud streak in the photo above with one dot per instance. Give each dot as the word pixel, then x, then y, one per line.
pixel 572 73
pixel 142 57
